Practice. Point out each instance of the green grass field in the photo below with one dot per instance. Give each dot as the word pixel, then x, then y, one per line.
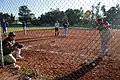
pixel 10 29
pixel 13 29
pixel 28 28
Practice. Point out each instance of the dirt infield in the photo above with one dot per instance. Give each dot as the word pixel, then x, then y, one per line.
pixel 59 55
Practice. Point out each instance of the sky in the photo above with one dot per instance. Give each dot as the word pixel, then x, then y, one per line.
pixel 39 7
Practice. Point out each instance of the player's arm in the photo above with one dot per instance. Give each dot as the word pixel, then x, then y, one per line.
pixel 98 27
pixel 107 25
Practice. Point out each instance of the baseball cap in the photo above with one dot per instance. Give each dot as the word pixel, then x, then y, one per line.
pixel 12 34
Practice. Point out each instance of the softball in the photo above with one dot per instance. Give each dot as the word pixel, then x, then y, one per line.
pixel 93 64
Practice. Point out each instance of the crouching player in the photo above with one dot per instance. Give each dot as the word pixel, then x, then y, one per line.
pixel 11 48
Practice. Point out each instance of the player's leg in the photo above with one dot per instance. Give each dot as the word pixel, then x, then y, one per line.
pixel 58 32
pixel 6 30
pixel 104 46
pixel 65 31
pixel 24 30
pixel 104 43
pixel 9 58
pixel 108 37
pixel 55 32
pixel 3 30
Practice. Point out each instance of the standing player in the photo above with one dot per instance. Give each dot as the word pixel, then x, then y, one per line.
pixel 57 28
pixel 4 25
pixel 65 26
pixel 105 34
pixel 24 25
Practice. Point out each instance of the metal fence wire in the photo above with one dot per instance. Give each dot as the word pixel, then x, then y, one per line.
pixel 62 39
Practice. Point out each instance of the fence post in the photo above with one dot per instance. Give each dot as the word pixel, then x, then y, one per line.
pixel 1 50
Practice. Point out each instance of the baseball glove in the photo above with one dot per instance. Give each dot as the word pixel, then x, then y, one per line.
pixel 20 46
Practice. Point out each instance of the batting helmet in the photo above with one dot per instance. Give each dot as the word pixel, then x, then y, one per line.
pixel 11 34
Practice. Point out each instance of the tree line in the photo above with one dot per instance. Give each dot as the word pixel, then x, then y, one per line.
pixel 76 17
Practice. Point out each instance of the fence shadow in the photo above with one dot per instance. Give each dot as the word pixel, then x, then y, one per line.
pixel 77 74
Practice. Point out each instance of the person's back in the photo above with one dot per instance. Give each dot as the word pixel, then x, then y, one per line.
pixel 65 24
pixel 56 24
pixel 7 46
pixel 3 25
pixel 6 23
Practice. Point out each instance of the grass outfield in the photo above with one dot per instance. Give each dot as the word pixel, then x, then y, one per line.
pixel 34 28
pixel 28 28
pixel 13 29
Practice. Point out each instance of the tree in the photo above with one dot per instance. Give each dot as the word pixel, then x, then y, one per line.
pixel 92 11
pixel 97 10
pixel 24 14
pixel 1 16
pixel 117 18
pixel 12 18
pixel 103 10
pixel 6 16
pixel 52 16
pixel 113 14
pixel 73 16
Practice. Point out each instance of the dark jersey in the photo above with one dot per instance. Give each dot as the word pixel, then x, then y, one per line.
pixel 7 45
pixel 65 24
pixel 4 25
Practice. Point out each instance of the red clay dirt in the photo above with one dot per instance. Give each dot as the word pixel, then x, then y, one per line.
pixel 59 55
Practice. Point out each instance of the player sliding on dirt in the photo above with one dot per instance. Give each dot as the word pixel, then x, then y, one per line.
pixel 11 50
pixel 105 34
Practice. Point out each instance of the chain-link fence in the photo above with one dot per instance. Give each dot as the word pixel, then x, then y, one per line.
pixel 63 39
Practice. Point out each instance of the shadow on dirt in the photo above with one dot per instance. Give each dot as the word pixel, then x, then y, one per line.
pixel 86 67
